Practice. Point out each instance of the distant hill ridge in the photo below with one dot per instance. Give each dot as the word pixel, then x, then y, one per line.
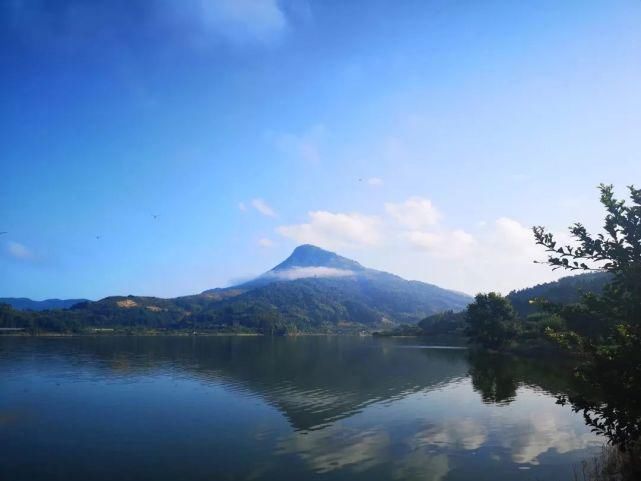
pixel 25 304
pixel 566 290
pixel 313 290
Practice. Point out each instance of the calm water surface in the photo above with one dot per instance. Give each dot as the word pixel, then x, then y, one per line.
pixel 227 408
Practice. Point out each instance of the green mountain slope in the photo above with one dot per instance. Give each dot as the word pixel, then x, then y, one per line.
pixel 317 289
pixel 566 290
pixel 313 290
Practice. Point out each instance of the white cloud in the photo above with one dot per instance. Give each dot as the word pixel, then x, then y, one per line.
pixel 331 230
pixel 415 213
pixel 423 240
pixel 265 242
pixel 446 244
pixel 343 448
pixel 375 181
pixel 241 21
pixel 338 447
pixel 512 235
pixel 19 251
pixel 305 272
pixel 305 146
pixel 497 256
pixel 548 427
pixel 465 433
pixel 263 207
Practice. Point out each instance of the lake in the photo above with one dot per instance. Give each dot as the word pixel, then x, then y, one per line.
pixel 256 408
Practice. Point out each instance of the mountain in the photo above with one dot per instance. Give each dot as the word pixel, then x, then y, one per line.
pixel 566 290
pixel 313 290
pixel 25 304
pixel 305 262
pixel 316 289
pixel 308 255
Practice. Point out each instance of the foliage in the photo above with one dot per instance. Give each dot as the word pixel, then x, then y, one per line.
pixel 606 327
pixel 491 320
pixel 447 322
pixel 611 465
pixel 567 290
pixel 497 376
pixel 32 322
pixel 410 330
pixel 447 325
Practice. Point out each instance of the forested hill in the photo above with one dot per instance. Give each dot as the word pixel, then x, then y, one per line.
pixel 25 304
pixel 313 290
pixel 566 290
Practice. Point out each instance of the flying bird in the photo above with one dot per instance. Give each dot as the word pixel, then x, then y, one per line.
pixel 98 237
pixel 3 233
pixel 155 216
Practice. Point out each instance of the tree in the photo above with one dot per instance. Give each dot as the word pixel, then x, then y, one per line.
pixel 491 320
pixel 606 328
pixel 447 322
pixel 494 377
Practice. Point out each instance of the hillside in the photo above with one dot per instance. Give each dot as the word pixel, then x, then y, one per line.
pixel 25 304
pixel 313 290
pixel 566 290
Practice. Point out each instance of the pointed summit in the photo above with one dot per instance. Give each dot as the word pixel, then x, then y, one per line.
pixel 314 287
pixel 308 255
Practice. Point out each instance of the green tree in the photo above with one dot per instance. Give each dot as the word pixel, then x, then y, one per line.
pixel 493 376
pixel 491 320
pixel 606 328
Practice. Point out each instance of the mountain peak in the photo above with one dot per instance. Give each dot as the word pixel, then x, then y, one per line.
pixel 308 255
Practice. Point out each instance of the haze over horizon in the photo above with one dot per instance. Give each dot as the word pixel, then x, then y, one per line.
pixel 164 148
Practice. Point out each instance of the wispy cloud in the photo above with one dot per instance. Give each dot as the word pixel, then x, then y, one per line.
pixel 20 251
pixel 375 181
pixel 305 146
pixel 332 230
pixel 263 207
pixel 305 272
pixel 338 447
pixel 265 242
pixel 244 20
pixel 192 22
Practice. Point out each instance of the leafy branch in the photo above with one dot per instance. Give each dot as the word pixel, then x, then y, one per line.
pixel 616 250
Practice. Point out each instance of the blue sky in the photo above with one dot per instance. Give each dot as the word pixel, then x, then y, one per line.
pixel 423 138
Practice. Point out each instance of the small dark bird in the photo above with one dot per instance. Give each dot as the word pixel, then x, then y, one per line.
pixel 2 233
pixel 98 237
pixel 155 216
pixel 360 180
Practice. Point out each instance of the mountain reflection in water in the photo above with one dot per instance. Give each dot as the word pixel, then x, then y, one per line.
pixel 279 408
